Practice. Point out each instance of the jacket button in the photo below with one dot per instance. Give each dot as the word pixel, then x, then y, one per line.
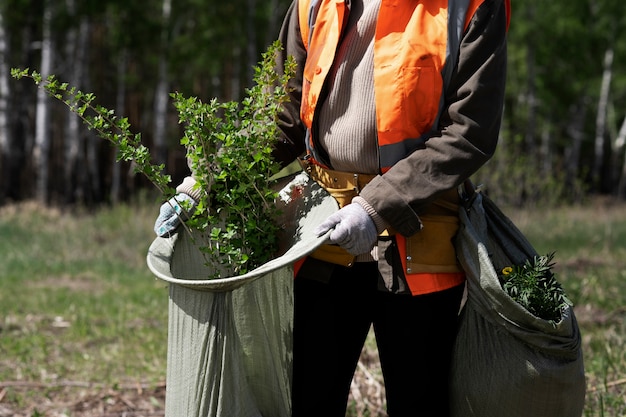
pixel 318 70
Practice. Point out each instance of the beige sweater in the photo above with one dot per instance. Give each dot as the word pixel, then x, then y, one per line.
pixel 347 118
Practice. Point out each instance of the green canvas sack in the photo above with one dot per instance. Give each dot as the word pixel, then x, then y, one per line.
pixel 230 339
pixel 507 362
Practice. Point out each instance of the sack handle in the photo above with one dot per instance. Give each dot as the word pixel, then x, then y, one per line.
pixel 467 193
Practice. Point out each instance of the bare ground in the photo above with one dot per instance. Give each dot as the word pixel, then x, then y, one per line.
pixel 76 399
pixel 79 399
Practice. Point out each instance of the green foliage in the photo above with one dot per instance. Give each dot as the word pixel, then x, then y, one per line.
pixel 591 242
pixel 77 300
pixel 229 148
pixel 513 178
pixel 534 286
pixel 547 101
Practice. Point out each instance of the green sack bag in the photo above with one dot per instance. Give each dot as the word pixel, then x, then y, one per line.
pixel 506 361
pixel 230 339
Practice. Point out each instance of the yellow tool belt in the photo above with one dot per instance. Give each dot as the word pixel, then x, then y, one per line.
pixel 343 186
pixel 429 250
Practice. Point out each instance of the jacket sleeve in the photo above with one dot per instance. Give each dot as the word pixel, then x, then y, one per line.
pixel 291 142
pixel 468 130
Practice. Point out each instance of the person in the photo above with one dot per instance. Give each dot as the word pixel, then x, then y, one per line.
pixel 394 104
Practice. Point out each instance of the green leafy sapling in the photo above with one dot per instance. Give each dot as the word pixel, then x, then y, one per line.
pixel 534 286
pixel 229 150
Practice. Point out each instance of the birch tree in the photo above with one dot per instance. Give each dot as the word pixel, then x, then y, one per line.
pixel 42 133
pixel 76 55
pixel 5 91
pixel 532 100
pixel 620 146
pixel 161 96
pixel 603 105
pixel 116 23
pixel 576 131
pixel 120 109
pixel 5 94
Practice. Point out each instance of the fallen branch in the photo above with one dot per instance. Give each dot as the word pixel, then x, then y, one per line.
pixel 78 384
pixel 611 384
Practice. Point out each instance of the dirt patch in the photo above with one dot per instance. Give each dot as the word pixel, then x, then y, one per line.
pixel 77 399
pixel 86 282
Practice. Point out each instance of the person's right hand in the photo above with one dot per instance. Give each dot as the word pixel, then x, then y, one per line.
pixel 170 214
pixel 354 229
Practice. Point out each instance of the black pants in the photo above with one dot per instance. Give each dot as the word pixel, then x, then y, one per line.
pixel 414 336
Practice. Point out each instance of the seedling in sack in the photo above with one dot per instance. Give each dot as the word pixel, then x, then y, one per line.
pixel 534 286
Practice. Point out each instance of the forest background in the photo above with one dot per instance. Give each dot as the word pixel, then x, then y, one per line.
pixel 563 135
pixel 563 140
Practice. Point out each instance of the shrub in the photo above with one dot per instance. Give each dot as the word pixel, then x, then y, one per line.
pixel 229 148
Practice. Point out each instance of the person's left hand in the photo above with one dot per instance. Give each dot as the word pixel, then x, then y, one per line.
pixel 355 231
pixel 170 213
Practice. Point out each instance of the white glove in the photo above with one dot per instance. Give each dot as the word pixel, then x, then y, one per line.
pixel 355 230
pixel 170 213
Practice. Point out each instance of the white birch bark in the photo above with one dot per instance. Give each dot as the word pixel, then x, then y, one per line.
pixel 6 150
pixel 5 91
pixel 42 129
pixel 161 98
pixel 76 52
pixel 620 146
pixel 120 109
pixel 603 103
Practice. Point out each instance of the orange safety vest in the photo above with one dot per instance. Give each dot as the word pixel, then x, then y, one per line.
pixel 415 50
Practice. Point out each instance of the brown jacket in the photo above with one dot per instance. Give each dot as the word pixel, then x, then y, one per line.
pixel 469 126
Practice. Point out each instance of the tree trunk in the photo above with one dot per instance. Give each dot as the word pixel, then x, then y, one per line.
pixel 575 130
pixel 5 94
pixel 90 165
pixel 235 74
pixel 88 172
pixel 273 22
pixel 531 93
pixel 603 102
pixel 251 40
pixel 546 150
pixel 120 110
pixel 620 146
pixel 161 98
pixel 42 132
pixel 77 56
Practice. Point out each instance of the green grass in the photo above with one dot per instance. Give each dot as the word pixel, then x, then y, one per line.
pixel 79 306
pixel 590 244
pixel 77 302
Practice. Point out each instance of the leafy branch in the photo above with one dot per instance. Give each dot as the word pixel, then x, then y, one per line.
pixel 229 149
pixel 105 123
